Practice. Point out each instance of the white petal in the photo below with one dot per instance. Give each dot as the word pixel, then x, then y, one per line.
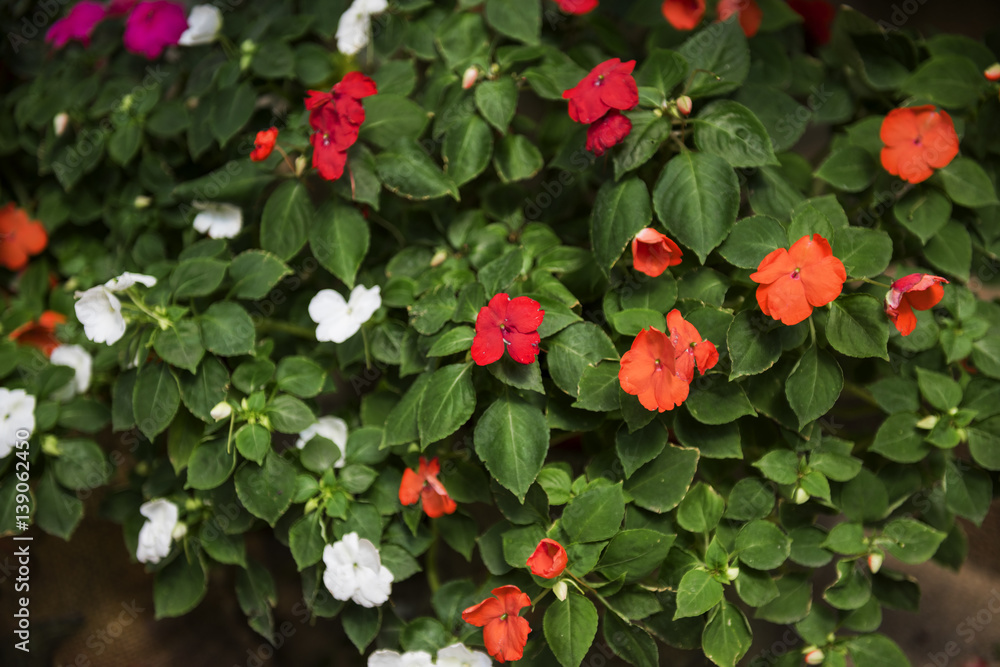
pixel 80 361
pixel 219 221
pixel 333 429
pixel 353 31
pixel 416 659
pixel 458 655
pixel 368 557
pixel 371 6
pixel 328 304
pixel 204 22
pixel 99 311
pixel 157 533
pixel 337 330
pixel 341 582
pixel 17 415
pixel 364 302
pixel 373 587
pixel 126 280
pixel 384 658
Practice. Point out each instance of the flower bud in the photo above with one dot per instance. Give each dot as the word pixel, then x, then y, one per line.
pixel 470 77
pixel 221 411
pixel 815 657
pixel 439 257
pixel 142 201
pixel 732 573
pixel 561 590
pixel 59 123
pixel 179 531
pixel 928 422
pixel 875 561
pixel 300 164
pixel 800 496
pixel 992 72
pixel 684 104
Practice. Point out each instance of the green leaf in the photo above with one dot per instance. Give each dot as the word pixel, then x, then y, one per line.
pixel 408 171
pixel 512 439
pixel 697 197
pixel 81 464
pixel 949 80
pixel 967 183
pixel 467 149
pixel 662 69
pixel 634 553
pixel 574 349
pixel 750 499
pixel 851 590
pixel 697 593
pixel 793 601
pixel 864 498
pixel 727 636
pixel 910 540
pixel 55 511
pixel 226 549
pixel 639 447
pixel 984 443
pixel 721 57
pixel 197 277
pixel 180 586
pixel 660 485
pixel 155 399
pixel 201 391
pixel 851 169
pixel 226 329
pixel 391 118
pixel 649 131
pixel 462 37
pixel 599 388
pixel 924 211
pixel 361 625
pixel 266 491
pixel 255 272
pixel 570 626
pixel 762 545
pixel 497 101
pixel 620 211
pixel 401 424
pixel 253 441
pixel 876 651
pixel 522 376
pixel 516 158
pixel 701 509
pixel 858 327
pixel 968 491
pixel 814 385
pixel 779 465
pixel 751 240
pixel 630 642
pixel 951 250
pixel 300 376
pixel 518 19
pixel 939 389
pixel 289 414
pixel 594 515
pixel 446 404
pixel 231 109
pixel 715 401
pixel 898 439
pixel 731 131
pixel 339 238
pixel 180 345
pixel 864 252
pixel 754 345
pixel 210 465
pixel 125 142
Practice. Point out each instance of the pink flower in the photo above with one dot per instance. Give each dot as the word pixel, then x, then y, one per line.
pixel 78 24
pixel 153 26
pixel 120 7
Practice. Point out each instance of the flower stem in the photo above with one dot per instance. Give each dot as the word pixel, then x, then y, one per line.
pixel 266 326
pixel 600 597
pixel 433 578
pixel 875 282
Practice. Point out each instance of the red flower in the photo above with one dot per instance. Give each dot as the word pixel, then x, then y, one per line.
pixel 424 485
pixel 507 322
pixel 336 118
pixel 992 73
pixel 504 632
pixel 817 15
pixel 653 252
pixel 747 11
pixel 19 237
pixel 40 333
pixel 649 371
pixel 607 131
pixel 689 348
pixel 683 14
pixel 793 282
pixel 263 144
pixel 608 86
pixel 917 141
pixel 577 6
pixel 549 559
pixel 917 291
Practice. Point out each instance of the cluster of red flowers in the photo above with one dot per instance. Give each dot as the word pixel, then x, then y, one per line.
pixel 20 236
pixel 687 14
pixel 659 368
pixel 507 323
pixel 599 100
pixel 336 118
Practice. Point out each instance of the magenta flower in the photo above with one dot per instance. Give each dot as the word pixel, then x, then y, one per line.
pixel 78 24
pixel 153 26
pixel 120 7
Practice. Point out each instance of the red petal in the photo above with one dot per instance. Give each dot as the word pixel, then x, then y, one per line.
pixel 410 487
pixel 777 263
pixel 356 85
pixel 523 348
pixel 924 299
pixel 524 314
pixel 487 345
pixel 486 611
pixel 505 639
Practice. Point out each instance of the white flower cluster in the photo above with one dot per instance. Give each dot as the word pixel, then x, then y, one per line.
pixel 100 311
pixel 354 571
pixel 17 415
pixel 354 30
pixel 456 655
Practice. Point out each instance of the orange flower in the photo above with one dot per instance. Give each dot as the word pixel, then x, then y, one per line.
pixel 917 291
pixel 549 559
pixel 683 14
pixel 19 237
pixel 263 144
pixel 793 282
pixel 917 141
pixel 689 348
pixel 425 485
pixel 648 370
pixel 653 252
pixel 504 632
pixel 747 11
pixel 40 333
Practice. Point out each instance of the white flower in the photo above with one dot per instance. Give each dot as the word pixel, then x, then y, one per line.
pixel 80 361
pixel 354 571
pixel 17 418
pixel 221 411
pixel 100 311
pixel 338 320
pixel 333 429
pixel 59 123
pixel 387 658
pixel 156 534
pixel 354 29
pixel 219 221
pixel 204 22
pixel 458 655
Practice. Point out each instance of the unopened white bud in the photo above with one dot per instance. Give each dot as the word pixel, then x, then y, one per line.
pixel 300 164
pixel 59 123
pixel 684 104
pixel 801 496
pixel 221 411
pixel 875 561
pixel 470 77
pixel 142 201
pixel 439 257
pixel 815 657
pixel 179 531
pixel 561 590
pixel 732 573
